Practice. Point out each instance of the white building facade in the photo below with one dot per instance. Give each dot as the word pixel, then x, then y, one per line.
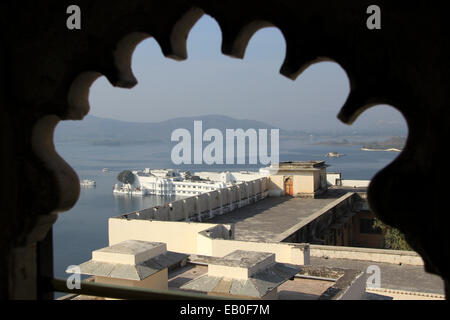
pixel 167 182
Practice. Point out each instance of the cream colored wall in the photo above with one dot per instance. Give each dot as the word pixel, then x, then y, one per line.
pixel 230 272
pixel 157 281
pixel 332 176
pixel 276 182
pixel 303 183
pixel 316 178
pixel 284 252
pixel 204 245
pixel 185 237
pixel 179 236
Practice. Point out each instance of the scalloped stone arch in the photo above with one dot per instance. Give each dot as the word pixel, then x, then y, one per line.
pixel 46 77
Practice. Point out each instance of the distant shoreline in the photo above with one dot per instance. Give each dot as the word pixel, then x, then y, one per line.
pixel 387 149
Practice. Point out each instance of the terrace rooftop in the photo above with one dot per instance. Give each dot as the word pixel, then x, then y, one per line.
pixel 275 218
pixel 393 276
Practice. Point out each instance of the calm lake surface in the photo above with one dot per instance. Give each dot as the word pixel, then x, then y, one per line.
pixel 85 227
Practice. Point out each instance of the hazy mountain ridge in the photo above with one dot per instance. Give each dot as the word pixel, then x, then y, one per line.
pixel 394 142
pixel 104 131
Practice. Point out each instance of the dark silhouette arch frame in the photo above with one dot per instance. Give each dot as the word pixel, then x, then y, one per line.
pixel 46 71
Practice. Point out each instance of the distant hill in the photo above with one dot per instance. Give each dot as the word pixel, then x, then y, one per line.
pixel 103 131
pixel 391 143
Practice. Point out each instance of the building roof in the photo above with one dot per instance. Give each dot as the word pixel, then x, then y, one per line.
pixel 393 276
pixel 130 260
pixel 256 286
pixel 275 218
pixel 297 289
pixel 301 165
pixel 264 275
pixel 129 271
pixel 241 258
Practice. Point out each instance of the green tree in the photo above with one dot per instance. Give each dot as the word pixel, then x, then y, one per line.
pixel 393 238
pixel 126 176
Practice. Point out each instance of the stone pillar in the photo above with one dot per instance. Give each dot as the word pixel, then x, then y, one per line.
pixel 210 205
pixel 239 195
pixel 248 192
pixel 220 195
pixel 231 198
pixel 185 211
pixel 198 209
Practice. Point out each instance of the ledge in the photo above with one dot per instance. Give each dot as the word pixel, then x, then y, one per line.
pixel 366 254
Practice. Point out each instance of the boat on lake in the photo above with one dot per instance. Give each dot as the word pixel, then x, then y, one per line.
pixel 334 155
pixel 87 183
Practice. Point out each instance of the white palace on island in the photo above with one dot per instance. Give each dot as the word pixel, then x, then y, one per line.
pixel 305 178
pixel 170 182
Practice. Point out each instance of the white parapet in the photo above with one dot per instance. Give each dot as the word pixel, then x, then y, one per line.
pixel 130 252
pixel 241 264
pixel 355 183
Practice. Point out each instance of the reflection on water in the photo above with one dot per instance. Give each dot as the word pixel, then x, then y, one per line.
pixel 127 203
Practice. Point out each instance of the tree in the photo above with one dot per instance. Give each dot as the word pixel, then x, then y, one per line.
pixel 393 238
pixel 126 176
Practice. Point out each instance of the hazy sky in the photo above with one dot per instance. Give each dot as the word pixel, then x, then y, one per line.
pixel 211 83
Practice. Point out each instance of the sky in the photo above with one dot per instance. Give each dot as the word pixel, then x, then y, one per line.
pixel 209 82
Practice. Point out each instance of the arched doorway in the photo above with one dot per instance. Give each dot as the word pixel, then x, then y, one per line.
pixel 289 186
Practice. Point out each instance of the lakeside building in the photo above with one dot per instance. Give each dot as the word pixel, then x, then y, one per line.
pixel 167 182
pixel 294 178
pixel 298 178
pixel 172 182
pixel 252 240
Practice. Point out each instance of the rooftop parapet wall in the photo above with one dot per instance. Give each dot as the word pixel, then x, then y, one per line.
pixel 201 239
pixel 206 205
pixel 179 236
pixel 301 165
pixel 366 254
pixel 355 183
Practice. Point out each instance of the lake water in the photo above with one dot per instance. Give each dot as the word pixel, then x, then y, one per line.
pixel 85 227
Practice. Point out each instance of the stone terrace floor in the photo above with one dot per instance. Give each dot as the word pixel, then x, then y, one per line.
pixel 270 219
pixel 393 276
